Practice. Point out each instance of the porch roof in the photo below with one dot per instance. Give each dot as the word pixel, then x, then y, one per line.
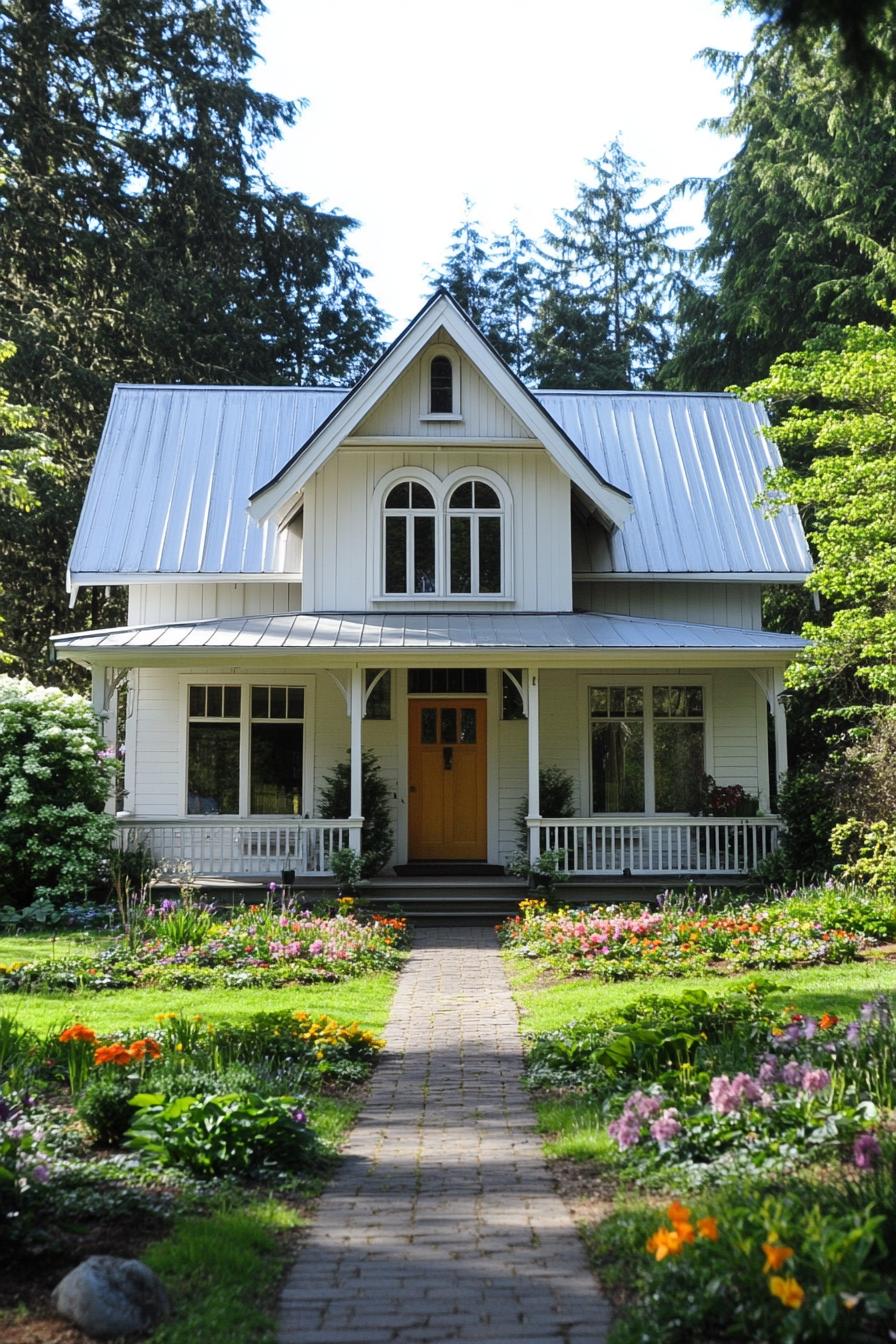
pixel 359 633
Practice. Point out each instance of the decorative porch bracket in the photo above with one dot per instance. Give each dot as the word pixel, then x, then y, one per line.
pixel 522 685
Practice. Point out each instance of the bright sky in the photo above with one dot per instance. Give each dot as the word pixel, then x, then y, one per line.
pixel 413 105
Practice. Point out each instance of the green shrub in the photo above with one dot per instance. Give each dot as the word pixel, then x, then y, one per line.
pixel 556 790
pixel 104 1107
pixel 376 807
pixel 223 1135
pixel 54 783
pixel 868 851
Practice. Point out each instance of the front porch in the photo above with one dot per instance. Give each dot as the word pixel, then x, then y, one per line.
pixel 604 847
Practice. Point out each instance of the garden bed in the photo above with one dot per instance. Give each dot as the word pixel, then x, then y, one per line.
pixel 727 1147
pixel 187 1126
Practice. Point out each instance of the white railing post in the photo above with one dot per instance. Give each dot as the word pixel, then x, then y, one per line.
pixel 531 675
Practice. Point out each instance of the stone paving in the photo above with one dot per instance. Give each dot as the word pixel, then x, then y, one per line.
pixel 442 1223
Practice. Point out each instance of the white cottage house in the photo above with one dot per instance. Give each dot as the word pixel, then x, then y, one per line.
pixel 470 579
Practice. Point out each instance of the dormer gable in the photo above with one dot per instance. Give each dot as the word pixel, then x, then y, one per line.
pixel 441 323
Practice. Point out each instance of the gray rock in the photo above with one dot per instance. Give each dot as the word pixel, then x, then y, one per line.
pixel 107 1296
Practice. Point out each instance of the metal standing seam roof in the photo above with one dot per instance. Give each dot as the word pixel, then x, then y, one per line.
pixel 176 466
pixel 388 631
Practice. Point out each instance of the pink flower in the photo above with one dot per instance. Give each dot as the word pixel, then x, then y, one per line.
pixel 316 947
pixel 626 1130
pixel 643 1105
pixel 667 1127
pixel 722 1096
pixel 792 1073
pixel 816 1080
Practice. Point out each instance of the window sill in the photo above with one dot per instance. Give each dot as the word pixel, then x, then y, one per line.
pixel 442 415
pixel 440 599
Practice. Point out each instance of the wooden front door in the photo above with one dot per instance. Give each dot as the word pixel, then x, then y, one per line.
pixel 447 781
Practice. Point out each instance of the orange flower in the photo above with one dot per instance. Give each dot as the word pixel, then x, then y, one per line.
pixel 677 1213
pixel 140 1049
pixel 665 1241
pixel 112 1054
pixel 78 1032
pixel 787 1291
pixel 775 1256
pixel 828 1020
pixel 709 1228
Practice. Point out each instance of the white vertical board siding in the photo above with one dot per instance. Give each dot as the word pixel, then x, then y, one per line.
pixel 153 743
pixel 707 603
pixel 737 732
pixel 484 413
pixel 164 603
pixel 346 537
pixel 512 777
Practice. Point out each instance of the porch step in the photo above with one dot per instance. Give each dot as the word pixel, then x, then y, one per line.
pixel 452 870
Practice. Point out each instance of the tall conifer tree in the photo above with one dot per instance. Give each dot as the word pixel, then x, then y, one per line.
pixel 140 239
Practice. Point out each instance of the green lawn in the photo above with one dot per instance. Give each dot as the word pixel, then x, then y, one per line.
pixel 546 1003
pixel 364 999
pixel 47 946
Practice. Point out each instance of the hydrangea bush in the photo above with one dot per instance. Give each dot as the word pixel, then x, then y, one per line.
pixel 55 774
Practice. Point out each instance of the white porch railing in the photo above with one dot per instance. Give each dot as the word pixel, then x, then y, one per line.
pixel 704 846
pixel 256 848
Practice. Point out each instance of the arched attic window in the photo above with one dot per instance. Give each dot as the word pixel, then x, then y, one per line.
pixel 475 539
pixel 409 531
pixel 441 386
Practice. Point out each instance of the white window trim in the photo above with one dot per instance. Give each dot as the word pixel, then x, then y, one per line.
pixel 211 677
pixel 441 491
pixel 647 683
pixel 451 353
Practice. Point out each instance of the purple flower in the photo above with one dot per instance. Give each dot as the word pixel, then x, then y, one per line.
pixel 853 1033
pixel 667 1127
pixel 626 1130
pixel 272 887
pixel 866 1151
pixel 792 1073
pixel 316 947
pixel 298 1116
pixel 768 1070
pixel 722 1096
pixel 643 1105
pixel 40 1173
pixel 810 1028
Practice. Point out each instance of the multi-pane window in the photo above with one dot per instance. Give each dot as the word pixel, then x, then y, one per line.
pixel 270 720
pixel 213 750
pixel 446 680
pixel 678 747
pixel 648 747
pixel 276 747
pixel 474 539
pixel 409 524
pixel 379 693
pixel 617 748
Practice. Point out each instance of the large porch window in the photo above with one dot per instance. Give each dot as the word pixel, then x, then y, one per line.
pixel 245 750
pixel 648 747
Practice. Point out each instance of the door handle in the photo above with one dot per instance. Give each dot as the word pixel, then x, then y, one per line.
pixel 448 757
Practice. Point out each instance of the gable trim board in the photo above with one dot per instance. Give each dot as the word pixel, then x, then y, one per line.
pixel 441 312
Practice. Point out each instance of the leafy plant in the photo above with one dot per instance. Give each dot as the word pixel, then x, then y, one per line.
pixel 104 1106
pixel 216 1135
pixel 544 873
pixel 376 808
pixel 556 791
pixel 348 869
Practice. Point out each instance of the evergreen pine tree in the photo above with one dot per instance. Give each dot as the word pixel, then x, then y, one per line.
pixel 140 239
pixel 610 262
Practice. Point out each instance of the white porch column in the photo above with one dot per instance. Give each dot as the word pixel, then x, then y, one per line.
pixel 780 718
pixel 356 712
pixel 105 707
pixel 531 675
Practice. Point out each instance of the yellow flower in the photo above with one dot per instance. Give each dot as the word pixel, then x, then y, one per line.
pixel 164 1017
pixel 787 1291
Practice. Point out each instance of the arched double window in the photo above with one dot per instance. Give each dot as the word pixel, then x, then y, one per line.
pixel 409 537
pixel 474 539
pixel 446 539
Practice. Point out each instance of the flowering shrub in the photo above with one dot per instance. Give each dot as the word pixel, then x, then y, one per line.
pixel 620 943
pixel 53 788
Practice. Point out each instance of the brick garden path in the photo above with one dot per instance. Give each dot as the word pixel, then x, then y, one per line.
pixel 442 1222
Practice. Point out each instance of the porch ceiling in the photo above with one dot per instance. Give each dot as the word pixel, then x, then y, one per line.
pixel 406 636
